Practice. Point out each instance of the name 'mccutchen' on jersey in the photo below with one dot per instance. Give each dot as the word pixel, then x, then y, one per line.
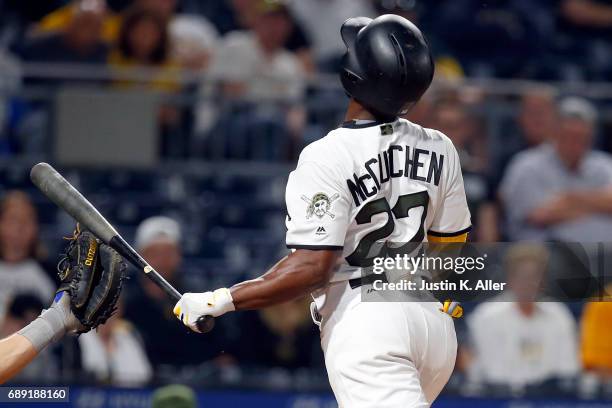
pixel 368 182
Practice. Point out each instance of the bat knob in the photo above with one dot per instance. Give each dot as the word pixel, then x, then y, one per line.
pixel 205 324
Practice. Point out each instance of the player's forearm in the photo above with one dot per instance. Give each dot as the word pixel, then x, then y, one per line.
pixel 594 201
pixel 19 349
pixel 15 353
pixel 276 286
pixel 294 276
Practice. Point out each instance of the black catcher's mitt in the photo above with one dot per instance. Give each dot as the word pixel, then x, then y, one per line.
pixel 92 273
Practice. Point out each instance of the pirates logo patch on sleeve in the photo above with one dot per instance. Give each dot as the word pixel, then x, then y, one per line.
pixel 320 205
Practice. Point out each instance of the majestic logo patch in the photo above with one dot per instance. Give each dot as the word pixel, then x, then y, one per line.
pixel 320 205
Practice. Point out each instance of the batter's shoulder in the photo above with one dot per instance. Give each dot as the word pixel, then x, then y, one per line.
pixel 327 151
pixel 427 134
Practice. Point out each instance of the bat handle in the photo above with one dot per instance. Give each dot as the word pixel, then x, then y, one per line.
pixel 205 323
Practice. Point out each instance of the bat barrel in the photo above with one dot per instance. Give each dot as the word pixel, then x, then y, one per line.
pixel 65 196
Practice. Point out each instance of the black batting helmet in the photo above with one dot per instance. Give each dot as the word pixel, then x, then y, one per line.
pixel 387 66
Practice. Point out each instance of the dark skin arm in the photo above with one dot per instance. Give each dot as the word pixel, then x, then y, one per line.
pixel 294 276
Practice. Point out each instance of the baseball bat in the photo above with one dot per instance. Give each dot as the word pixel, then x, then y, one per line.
pixel 64 195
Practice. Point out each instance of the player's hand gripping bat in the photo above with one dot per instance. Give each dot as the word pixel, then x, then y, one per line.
pixel 65 196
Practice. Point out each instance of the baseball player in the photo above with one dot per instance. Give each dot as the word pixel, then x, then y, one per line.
pixel 377 178
pixel 91 276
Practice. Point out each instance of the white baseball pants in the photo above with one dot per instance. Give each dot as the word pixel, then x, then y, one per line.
pixel 384 354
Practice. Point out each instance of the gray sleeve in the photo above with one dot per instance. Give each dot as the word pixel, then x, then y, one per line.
pixel 606 166
pixel 521 189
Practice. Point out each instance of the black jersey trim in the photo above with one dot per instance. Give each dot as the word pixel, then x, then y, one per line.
pixel 449 234
pixel 316 247
pixel 352 124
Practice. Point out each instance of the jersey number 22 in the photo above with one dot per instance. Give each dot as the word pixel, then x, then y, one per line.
pixel 362 255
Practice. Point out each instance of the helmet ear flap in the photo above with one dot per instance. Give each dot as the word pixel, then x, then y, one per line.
pixel 350 69
pixel 350 74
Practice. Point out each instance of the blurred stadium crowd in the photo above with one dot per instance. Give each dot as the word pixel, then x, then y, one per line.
pixel 521 88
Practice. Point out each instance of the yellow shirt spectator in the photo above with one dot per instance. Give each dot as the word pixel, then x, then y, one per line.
pixel 596 342
pixel 164 77
pixel 60 18
pixel 143 44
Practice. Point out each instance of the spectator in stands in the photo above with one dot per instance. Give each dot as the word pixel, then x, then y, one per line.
pixel 143 54
pixel 286 337
pixel 22 309
pixel 191 38
pixel 253 67
pixel 236 15
pixel 114 353
pixel 143 43
pixel 453 118
pixel 596 336
pixel 20 271
pixel 536 123
pixel 516 340
pixel 60 19
pixel 537 116
pixel 561 190
pixel 78 40
pixel 244 13
pixel 150 309
pixel 164 8
pixel 192 41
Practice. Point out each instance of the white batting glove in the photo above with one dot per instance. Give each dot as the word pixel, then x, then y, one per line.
pixel 192 306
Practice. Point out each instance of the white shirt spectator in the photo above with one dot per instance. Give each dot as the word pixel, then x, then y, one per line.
pixel 322 20
pixel 267 77
pixel 125 363
pixel 24 277
pixel 513 349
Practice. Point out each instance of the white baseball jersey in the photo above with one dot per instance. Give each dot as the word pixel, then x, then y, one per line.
pixel 369 182
pixel 363 184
